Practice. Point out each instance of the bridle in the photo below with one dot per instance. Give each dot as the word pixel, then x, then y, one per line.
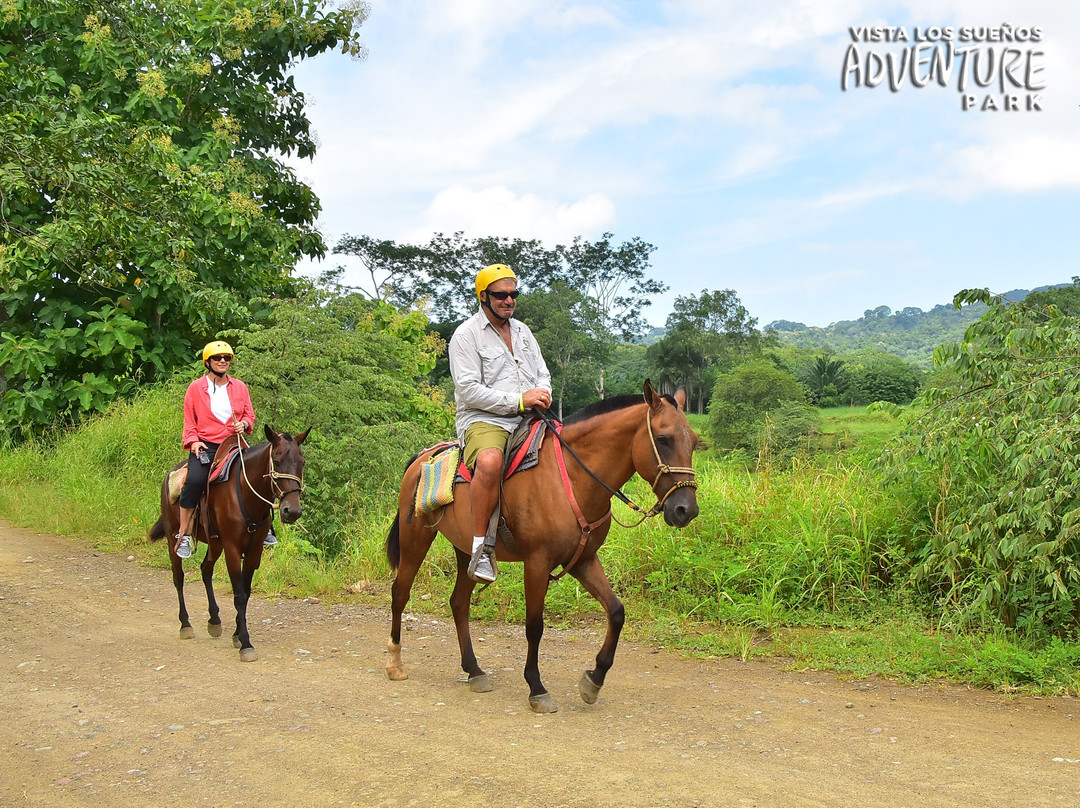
pixel 663 468
pixel 276 489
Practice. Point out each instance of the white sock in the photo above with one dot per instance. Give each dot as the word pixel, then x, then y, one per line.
pixel 476 542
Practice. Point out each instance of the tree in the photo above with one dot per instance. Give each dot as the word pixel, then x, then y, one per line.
pixel 743 397
pixel 706 334
pixel 878 376
pixel 615 278
pixel 997 470
pixel 565 323
pixel 827 380
pixel 143 200
pixel 1065 298
pixel 439 276
pixel 351 368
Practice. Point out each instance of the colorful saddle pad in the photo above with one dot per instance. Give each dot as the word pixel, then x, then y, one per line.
pixel 436 485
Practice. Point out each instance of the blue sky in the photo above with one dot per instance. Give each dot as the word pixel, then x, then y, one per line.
pixel 718 132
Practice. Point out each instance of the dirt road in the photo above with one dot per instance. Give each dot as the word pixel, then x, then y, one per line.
pixel 103 705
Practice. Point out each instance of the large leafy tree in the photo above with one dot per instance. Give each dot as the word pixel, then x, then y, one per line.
pixel 143 197
pixel 706 335
pixel 996 468
pixel 743 397
pixel 565 323
pixel 439 276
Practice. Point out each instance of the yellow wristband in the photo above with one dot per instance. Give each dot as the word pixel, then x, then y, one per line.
pixel 521 402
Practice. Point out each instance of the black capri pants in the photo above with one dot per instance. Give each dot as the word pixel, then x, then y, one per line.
pixel 197 475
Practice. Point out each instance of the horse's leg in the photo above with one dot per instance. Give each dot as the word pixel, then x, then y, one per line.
pixel 186 631
pixel 237 579
pixel 536 586
pixel 242 639
pixel 460 601
pixel 414 540
pixel 213 625
pixel 592 576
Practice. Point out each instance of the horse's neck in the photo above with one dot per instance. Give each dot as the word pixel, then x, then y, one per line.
pixel 257 466
pixel 604 444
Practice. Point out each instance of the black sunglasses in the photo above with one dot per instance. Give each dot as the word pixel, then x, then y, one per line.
pixel 221 358
pixel 503 295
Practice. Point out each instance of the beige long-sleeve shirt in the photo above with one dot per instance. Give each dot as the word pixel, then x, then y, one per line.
pixel 488 378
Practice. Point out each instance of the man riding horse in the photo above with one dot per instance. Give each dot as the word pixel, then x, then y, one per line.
pixel 498 373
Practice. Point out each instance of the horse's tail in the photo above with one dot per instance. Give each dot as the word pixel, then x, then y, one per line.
pixel 158 530
pixel 393 544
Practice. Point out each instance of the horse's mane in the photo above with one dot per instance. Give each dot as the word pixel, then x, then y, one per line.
pixel 606 405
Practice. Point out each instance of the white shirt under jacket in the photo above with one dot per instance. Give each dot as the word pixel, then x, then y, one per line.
pixel 488 378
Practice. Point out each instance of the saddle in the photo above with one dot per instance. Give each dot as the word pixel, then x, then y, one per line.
pixel 435 486
pixel 220 466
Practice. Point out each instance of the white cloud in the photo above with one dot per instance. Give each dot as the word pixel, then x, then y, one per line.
pixel 498 211
pixel 1033 163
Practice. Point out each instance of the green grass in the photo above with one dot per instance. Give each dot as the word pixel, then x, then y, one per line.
pixel 807 562
pixel 854 427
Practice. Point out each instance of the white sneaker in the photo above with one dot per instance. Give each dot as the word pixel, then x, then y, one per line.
pixel 270 539
pixel 482 566
pixel 184 548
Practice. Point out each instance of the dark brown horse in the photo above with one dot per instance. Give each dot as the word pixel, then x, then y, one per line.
pixel 235 517
pixel 613 439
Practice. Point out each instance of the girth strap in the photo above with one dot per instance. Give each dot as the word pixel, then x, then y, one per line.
pixel 252 525
pixel 586 526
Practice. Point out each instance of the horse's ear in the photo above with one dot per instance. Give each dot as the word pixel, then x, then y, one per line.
pixel 271 435
pixel 300 438
pixel 652 398
pixel 680 398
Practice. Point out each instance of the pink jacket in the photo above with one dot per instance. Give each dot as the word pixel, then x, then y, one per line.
pixel 200 423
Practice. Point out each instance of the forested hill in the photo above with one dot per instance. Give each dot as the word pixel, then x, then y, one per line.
pixel 911 332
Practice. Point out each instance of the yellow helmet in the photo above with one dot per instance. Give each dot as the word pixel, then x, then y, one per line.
pixel 489 274
pixel 216 347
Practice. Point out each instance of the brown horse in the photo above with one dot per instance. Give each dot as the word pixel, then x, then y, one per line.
pixel 235 518
pixel 554 523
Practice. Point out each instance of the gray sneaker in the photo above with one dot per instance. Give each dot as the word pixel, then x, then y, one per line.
pixel 270 539
pixel 184 548
pixel 482 566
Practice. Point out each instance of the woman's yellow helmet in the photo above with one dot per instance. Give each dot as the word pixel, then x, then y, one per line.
pixel 489 274
pixel 215 348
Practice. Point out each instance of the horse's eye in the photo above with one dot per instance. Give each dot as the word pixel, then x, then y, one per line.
pixel 664 439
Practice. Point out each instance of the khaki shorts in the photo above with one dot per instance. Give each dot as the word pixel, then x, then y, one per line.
pixel 482 436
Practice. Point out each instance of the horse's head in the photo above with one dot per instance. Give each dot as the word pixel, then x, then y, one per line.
pixel 663 453
pixel 287 471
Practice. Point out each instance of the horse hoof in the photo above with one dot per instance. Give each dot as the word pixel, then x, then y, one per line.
pixel 248 655
pixel 213 629
pixel 481 683
pixel 235 641
pixel 589 689
pixel 397 674
pixel 187 633
pixel 543 703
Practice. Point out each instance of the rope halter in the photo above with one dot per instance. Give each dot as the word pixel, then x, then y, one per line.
pixel 663 468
